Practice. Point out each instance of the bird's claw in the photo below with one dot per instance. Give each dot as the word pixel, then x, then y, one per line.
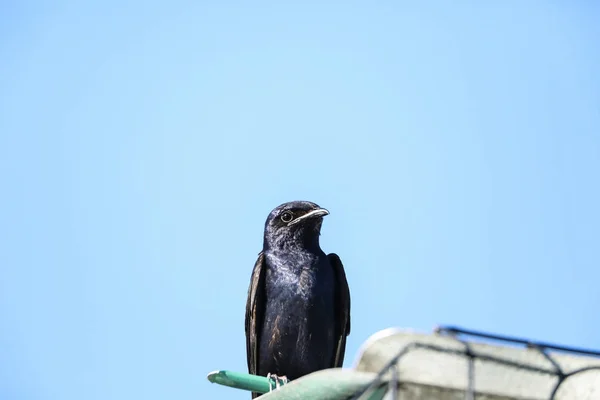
pixel 283 379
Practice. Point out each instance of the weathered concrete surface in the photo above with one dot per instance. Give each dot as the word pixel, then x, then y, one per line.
pixel 422 392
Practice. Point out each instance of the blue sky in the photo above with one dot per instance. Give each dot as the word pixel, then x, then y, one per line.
pixel 142 145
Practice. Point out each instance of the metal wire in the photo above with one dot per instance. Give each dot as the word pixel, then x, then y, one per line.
pixel 454 330
pixel 541 347
pixel 468 352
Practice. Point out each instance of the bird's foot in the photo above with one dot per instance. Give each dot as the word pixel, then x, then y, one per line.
pixel 283 379
pixel 278 380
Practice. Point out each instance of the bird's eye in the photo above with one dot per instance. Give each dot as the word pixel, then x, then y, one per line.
pixel 287 216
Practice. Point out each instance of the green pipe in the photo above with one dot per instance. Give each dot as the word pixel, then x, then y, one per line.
pixel 239 380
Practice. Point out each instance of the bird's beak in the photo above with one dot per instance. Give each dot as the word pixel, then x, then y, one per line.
pixel 319 212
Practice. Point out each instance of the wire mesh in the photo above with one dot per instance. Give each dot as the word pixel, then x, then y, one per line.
pixel 561 385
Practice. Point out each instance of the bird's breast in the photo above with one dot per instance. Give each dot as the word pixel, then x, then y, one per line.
pixel 299 278
pixel 301 294
pixel 298 327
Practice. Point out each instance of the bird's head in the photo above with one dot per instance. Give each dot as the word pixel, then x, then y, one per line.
pixel 293 224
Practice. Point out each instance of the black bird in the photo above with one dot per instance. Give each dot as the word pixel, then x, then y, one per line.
pixel 298 308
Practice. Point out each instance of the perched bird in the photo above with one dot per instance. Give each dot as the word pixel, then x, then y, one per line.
pixel 298 308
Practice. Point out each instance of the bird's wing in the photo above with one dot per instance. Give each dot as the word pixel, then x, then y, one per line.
pixel 342 308
pixel 254 313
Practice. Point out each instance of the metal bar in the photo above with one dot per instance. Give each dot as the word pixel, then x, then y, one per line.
pixel 394 382
pixel 511 339
pixel 471 372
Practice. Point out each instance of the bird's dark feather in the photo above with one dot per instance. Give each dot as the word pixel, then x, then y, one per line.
pixel 342 305
pixel 254 312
